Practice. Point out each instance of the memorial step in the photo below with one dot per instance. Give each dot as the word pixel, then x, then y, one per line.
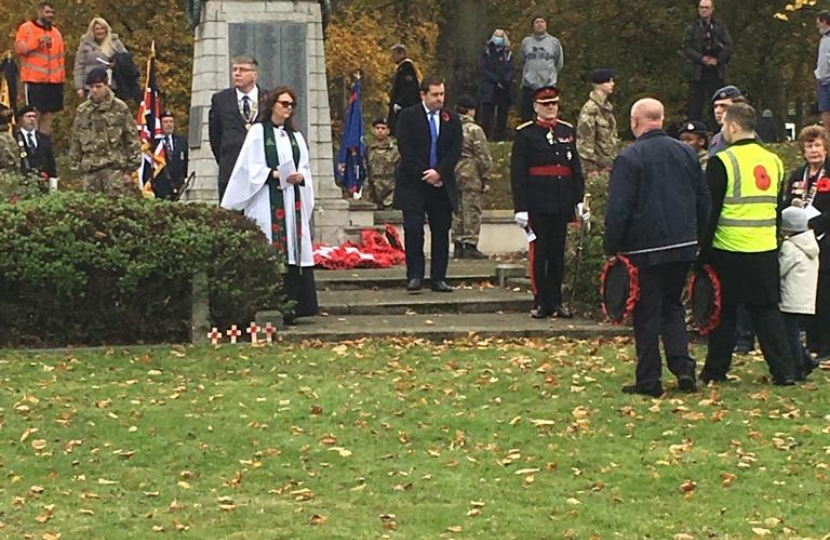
pixel 401 302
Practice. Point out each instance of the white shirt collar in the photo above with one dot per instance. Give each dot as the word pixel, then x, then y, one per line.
pixel 252 95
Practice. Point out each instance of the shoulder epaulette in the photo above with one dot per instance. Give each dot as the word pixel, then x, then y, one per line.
pixel 565 123
pixel 522 126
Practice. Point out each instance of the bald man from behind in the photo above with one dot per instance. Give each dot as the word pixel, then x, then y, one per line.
pixel 658 207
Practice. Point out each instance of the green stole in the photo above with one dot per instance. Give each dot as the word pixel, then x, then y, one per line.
pixel 277 200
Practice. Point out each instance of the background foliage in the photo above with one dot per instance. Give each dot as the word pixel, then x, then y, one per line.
pixel 81 269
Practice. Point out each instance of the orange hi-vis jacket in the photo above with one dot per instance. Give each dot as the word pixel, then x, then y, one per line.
pixel 40 63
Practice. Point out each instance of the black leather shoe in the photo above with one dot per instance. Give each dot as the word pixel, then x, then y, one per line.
pixel 784 382
pixel 686 383
pixel 540 313
pixel 562 313
pixel 458 251
pixel 472 252
pixel 653 391
pixel 413 284
pixel 706 378
pixel 441 286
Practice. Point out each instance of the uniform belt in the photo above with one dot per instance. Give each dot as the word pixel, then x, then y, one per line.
pixel 550 170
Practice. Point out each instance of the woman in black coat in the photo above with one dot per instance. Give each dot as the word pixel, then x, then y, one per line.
pixel 811 184
pixel 495 93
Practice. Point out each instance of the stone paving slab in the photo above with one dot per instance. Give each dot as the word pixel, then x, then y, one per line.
pixel 401 302
pixel 440 327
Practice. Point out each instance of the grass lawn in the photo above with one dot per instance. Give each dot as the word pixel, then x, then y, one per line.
pixel 402 440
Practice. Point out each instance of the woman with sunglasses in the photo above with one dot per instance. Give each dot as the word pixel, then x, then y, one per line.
pixel 271 182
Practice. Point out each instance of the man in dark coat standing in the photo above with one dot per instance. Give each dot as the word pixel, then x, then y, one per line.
pixel 232 112
pixel 406 89
pixel 658 207
pixel 708 49
pixel 548 187
pixel 36 153
pixel 429 141
pixel 169 183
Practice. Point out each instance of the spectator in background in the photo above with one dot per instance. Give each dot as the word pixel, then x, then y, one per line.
pixel 542 60
pixel 695 135
pixel 36 154
pixel 405 86
pixel 822 71
pixel 798 262
pixel 9 154
pixel 42 66
pixel 495 93
pixel 708 49
pixel 97 49
pixel 769 129
pixel 596 130
pixel 811 184
pixel 381 160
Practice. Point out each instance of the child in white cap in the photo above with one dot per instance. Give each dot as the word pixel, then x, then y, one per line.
pixel 798 265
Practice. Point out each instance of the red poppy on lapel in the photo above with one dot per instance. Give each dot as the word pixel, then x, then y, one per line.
pixel 823 185
pixel 445 116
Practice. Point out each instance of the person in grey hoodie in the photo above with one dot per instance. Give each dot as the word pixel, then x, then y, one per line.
pixel 822 71
pixel 542 60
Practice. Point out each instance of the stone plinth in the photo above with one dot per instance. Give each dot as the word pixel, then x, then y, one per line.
pixel 286 38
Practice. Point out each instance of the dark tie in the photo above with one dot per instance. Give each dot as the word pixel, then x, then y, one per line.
pixel 169 140
pixel 433 143
pixel 30 140
pixel 246 107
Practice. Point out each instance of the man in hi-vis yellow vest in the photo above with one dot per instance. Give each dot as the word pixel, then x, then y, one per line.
pixel 742 245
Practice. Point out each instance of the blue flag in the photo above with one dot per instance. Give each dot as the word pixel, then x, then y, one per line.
pixel 350 166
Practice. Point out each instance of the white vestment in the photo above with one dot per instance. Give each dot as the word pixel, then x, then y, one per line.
pixel 247 190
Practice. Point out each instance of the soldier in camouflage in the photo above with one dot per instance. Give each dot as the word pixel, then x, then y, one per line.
pixel 381 161
pixel 596 130
pixel 9 153
pixel 471 174
pixel 105 145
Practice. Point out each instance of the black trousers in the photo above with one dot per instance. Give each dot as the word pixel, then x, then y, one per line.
pixel 818 326
pixel 659 314
pixel 744 334
pixel 700 95
pixel 527 103
pixel 493 115
pixel 769 327
pixel 547 258
pixel 792 325
pixel 438 213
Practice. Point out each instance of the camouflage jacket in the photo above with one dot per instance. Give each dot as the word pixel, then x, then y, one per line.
pixel 382 159
pixel 9 153
pixel 104 136
pixel 596 133
pixel 472 169
pixel 703 156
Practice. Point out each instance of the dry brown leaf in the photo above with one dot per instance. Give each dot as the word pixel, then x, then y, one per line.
pixel 318 519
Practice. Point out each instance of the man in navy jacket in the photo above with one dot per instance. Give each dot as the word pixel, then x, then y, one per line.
pixel 658 207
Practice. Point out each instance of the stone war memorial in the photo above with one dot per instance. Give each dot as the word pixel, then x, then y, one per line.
pixel 286 38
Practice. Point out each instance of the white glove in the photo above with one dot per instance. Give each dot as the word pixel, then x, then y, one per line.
pixel 397 108
pixel 521 219
pixel 581 212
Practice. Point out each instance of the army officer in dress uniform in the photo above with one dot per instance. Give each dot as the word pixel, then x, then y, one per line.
pixel 548 188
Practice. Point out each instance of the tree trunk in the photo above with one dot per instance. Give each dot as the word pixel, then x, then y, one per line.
pixel 464 31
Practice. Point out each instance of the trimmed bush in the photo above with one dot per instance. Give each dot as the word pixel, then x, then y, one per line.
pixel 82 269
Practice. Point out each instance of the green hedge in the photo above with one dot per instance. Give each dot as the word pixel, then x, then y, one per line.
pixel 82 269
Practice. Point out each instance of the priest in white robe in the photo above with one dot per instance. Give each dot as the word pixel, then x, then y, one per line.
pixel 281 207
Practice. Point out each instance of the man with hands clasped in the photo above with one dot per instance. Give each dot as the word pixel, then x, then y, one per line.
pixel 546 177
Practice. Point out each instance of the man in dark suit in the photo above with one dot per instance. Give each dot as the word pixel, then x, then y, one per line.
pixel 406 87
pixel 232 112
pixel 169 183
pixel 36 154
pixel 429 141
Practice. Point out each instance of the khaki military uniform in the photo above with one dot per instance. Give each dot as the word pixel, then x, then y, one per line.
pixel 596 134
pixel 9 153
pixel 381 162
pixel 105 146
pixel 471 175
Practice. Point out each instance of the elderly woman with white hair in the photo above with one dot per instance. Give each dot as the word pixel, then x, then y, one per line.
pixel 97 49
